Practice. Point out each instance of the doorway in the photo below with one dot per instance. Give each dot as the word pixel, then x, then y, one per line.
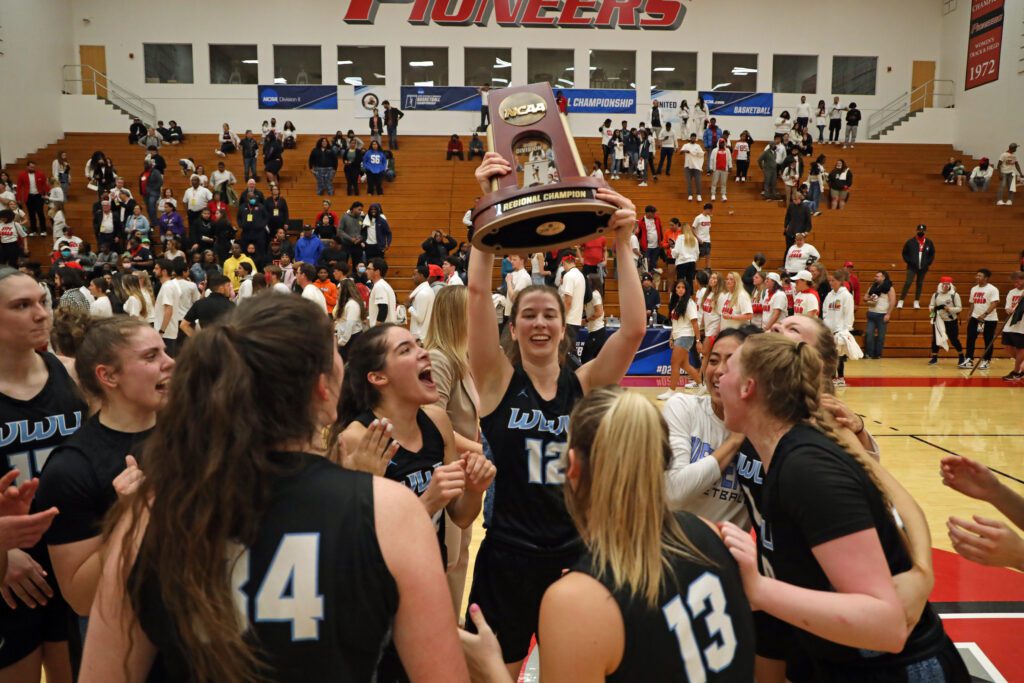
pixel 922 85
pixel 94 79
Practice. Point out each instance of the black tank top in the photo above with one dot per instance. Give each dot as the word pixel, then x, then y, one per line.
pixel 30 429
pixel 320 600
pixel 702 628
pixel 529 438
pixel 413 469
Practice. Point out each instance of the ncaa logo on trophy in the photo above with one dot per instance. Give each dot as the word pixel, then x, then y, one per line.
pixel 549 201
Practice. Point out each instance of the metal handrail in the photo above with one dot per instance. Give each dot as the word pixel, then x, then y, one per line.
pixel 77 76
pixel 927 95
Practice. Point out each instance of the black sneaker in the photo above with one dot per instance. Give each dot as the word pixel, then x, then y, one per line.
pixel 933 361
pixel 1013 377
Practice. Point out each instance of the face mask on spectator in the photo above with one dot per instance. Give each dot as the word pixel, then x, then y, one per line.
pixel 362 269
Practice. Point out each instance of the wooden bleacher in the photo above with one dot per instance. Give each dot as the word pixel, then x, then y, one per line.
pixel 895 188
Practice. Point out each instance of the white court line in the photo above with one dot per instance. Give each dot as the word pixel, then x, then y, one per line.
pixel 984 661
pixel 984 615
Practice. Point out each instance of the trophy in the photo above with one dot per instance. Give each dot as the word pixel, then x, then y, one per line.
pixel 549 201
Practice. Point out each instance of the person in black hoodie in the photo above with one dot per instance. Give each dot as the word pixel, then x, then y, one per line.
pixel 252 217
pixel 273 158
pixel 798 219
pixel 136 132
pixel 918 254
pixel 436 248
pixel 352 158
pixel 323 162
pixel 853 117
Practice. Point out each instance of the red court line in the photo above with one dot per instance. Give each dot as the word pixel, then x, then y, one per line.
pixel 865 382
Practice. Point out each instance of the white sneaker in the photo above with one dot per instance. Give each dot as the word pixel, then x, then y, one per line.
pixel 1000 202
pixel 690 198
pixel 642 185
pixel 839 382
pixel 899 304
pixel 666 395
pixel 712 197
pixel 1009 202
pixel 690 385
pixel 917 305
pixel 724 198
pixel 966 363
pixel 699 198
pixel 984 365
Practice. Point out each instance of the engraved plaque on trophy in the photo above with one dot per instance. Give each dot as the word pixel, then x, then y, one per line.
pixel 549 201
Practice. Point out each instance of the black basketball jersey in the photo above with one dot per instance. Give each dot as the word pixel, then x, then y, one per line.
pixel 815 492
pixel 529 437
pixel 30 429
pixel 317 595
pixel 413 469
pixel 702 629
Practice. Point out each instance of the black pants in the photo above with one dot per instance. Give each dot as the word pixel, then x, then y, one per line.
pixel 571 332
pixel 953 332
pixel 372 251
pixel 666 160
pixel 9 253
pixel 742 166
pixel 449 155
pixel 594 344
pixel 373 183
pixel 606 151
pixel 352 181
pixel 686 272
pixel 834 125
pixel 34 206
pixel 912 274
pixel 485 116
pixel 988 333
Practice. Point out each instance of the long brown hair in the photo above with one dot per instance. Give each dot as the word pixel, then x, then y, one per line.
pixel 511 346
pixel 620 443
pixel 208 480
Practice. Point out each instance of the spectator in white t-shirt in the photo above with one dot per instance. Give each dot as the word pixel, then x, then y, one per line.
pixel 805 300
pixel 305 275
pixel 421 302
pixel 837 314
pixel 1009 175
pixel 450 268
pixel 572 290
pixel 702 230
pixel 685 330
pixel 516 281
pixel 693 163
pixel 736 306
pixel 800 255
pixel 984 304
pixel 166 305
pixel 383 306
pixel 1013 331
pixel 776 305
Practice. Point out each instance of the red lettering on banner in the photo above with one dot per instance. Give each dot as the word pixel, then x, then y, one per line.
pixel 535 12
pixel 666 15
pixel 570 13
pixel 462 15
pixel 631 14
pixel 620 13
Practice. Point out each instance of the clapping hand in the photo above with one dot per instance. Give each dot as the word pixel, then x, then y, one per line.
pixel 479 471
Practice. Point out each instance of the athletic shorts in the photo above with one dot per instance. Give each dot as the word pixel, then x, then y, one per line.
pixel 1014 339
pixel 24 630
pixel 508 584
pixel 704 249
pixel 683 343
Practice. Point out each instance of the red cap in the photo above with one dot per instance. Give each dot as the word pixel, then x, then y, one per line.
pixel 435 271
pixel 848 264
pixel 569 257
pixel 945 279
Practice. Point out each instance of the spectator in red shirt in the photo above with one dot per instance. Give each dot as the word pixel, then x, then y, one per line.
pixel 595 255
pixel 31 192
pixel 454 148
pixel 650 236
pixel 562 102
pixel 853 284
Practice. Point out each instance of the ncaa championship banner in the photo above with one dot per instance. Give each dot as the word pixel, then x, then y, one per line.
pixel 298 96
pixel 366 98
pixel 670 101
pixel 439 98
pixel 596 101
pixel 737 103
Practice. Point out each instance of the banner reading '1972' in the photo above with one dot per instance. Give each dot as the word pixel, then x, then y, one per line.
pixel 298 96
pixel 984 43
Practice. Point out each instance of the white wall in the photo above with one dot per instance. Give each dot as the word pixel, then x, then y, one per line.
pixel 897 32
pixel 37 41
pixel 989 116
pixel 928 126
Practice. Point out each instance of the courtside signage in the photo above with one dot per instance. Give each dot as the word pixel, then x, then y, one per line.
pixel 632 14
pixel 984 43
pixel 280 96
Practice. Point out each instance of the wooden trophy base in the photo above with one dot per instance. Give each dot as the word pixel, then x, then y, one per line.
pixel 541 218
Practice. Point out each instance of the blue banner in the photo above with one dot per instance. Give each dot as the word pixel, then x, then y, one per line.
pixel 298 96
pixel 738 103
pixel 594 101
pixel 654 357
pixel 440 98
